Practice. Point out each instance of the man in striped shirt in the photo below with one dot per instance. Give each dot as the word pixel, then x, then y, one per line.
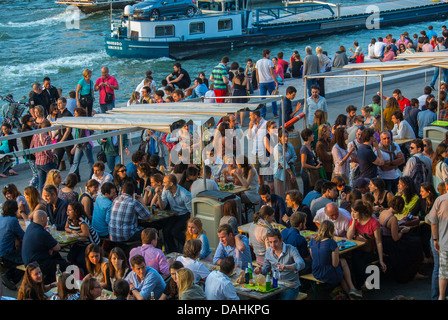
pixel 220 79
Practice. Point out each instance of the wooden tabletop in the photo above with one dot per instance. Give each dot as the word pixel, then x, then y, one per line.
pixel 283 285
pixel 63 238
pixel 357 246
pixel 236 190
pixel 244 229
pixel 161 214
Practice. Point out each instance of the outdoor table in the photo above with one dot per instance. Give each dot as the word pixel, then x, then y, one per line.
pixel 283 285
pixel 240 288
pixel 236 190
pixel 349 247
pixel 105 294
pixel 161 215
pixel 63 238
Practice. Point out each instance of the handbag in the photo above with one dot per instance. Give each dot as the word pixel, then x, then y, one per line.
pixel 101 155
pixel 109 98
pixel 87 99
pixel 313 175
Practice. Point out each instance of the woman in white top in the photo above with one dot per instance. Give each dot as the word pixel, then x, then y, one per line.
pixel 439 167
pixel 189 258
pixel 135 98
pixel 340 154
pixel 258 231
pixel 246 176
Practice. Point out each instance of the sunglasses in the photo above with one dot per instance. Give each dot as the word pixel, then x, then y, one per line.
pixel 123 170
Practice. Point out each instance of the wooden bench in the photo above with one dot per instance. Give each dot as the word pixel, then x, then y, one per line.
pixel 314 283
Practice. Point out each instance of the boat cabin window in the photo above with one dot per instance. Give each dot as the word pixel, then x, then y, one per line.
pixel 197 27
pixel 225 25
pixel 165 31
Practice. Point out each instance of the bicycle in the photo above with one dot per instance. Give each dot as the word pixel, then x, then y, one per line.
pixel 12 111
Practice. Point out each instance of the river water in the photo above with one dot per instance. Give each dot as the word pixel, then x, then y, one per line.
pixel 39 38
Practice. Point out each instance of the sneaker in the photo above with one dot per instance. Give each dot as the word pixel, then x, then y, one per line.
pixel 355 294
pixel 9 283
pixel 432 87
pixel 275 116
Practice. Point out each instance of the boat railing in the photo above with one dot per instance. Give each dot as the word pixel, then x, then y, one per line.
pixel 282 12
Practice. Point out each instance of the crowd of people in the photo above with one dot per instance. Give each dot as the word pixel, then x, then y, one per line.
pixel 380 182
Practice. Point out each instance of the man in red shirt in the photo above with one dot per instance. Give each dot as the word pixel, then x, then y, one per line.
pixel 402 101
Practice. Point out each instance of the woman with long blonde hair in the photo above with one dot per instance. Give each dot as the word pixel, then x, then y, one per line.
pixel 195 231
pixel 327 266
pixel 54 178
pixel 188 290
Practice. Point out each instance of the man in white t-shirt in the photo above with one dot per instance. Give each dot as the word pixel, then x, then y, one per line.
pixel 198 185
pixel 267 81
pixel 393 158
pixel 379 48
pixel 340 218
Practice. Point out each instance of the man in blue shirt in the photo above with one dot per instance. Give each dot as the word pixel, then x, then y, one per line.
pixel 426 117
pixel 286 259
pixel 316 193
pixel 199 89
pixel 272 200
pixel 102 209
pixel 137 158
pixel 233 245
pixel 287 102
pixel 56 207
pixel 39 246
pixel 179 200
pixel 293 237
pixel 144 280
pixel 218 285
pixel 10 231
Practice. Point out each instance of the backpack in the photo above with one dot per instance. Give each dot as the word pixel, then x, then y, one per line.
pixel 419 173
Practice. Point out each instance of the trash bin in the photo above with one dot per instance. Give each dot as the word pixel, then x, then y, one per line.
pixel 207 206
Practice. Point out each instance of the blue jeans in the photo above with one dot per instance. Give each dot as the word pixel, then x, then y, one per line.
pixel 107 107
pixel 290 294
pixel 266 88
pixel 88 152
pixel 309 83
pixel 436 75
pixel 42 171
pixel 112 161
pixel 435 273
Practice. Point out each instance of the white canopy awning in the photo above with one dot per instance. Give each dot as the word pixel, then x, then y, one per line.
pixel 162 117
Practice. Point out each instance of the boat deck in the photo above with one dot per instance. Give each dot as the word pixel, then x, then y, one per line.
pixel 345 11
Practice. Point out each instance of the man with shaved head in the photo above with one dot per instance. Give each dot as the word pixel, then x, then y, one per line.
pixel 40 246
pixel 106 85
pixel 340 217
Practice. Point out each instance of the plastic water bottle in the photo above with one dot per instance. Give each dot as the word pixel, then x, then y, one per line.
pixel 275 276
